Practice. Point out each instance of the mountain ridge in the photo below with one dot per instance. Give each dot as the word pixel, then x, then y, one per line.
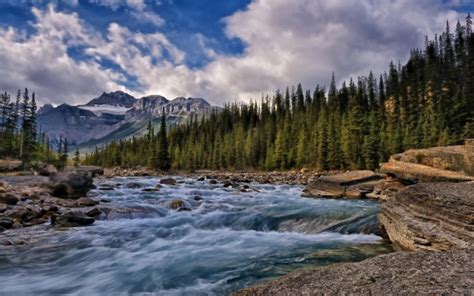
pixel 114 116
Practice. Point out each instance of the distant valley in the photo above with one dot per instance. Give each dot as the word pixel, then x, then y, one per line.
pixel 114 116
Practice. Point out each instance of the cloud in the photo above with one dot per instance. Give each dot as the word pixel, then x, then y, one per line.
pixel 148 17
pixel 41 61
pixel 304 41
pixel 286 42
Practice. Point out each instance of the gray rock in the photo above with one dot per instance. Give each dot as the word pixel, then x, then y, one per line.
pixel 353 184
pixel 91 170
pixel 47 170
pixel 9 198
pixel 168 181
pixel 86 202
pixel 6 223
pixel 72 219
pixel 134 185
pixel 94 212
pixel 70 185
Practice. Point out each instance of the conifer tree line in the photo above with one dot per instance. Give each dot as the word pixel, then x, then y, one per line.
pixel 19 136
pixel 427 102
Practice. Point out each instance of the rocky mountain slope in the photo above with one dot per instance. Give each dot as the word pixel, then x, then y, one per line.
pixel 114 116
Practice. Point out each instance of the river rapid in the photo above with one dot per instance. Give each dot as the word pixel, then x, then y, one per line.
pixel 228 240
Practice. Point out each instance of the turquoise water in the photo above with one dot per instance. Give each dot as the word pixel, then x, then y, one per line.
pixel 227 241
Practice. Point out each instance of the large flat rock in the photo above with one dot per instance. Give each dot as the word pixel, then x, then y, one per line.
pixel 438 164
pixel 424 173
pixel 351 184
pixel 458 158
pixel 400 273
pixel 430 216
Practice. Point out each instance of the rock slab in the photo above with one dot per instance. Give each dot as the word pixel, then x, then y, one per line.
pixel 438 164
pixel 400 273
pixel 430 216
pixel 353 184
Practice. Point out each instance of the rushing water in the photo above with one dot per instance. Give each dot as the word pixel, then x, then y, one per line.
pixel 229 240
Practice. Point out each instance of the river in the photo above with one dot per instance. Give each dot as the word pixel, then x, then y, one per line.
pixel 228 240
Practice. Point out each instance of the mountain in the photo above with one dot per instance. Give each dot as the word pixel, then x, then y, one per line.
pixel 117 98
pixel 114 116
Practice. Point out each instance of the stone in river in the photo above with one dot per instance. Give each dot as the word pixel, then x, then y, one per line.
pixel 6 223
pixel 150 189
pixel 72 219
pixel 168 181
pixel 134 185
pixel 70 185
pixel 9 198
pixel 86 202
pixel 94 212
pixel 356 183
pixel 176 204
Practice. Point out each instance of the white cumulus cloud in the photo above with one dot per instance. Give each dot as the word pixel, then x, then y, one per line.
pixel 286 42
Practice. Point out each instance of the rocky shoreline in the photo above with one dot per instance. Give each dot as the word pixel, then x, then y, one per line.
pixel 427 207
pixel 58 198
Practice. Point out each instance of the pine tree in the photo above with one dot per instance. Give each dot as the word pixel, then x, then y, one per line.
pixel 164 161
pixel 77 158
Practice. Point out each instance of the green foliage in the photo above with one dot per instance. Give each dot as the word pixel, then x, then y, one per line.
pixel 19 137
pixel 427 102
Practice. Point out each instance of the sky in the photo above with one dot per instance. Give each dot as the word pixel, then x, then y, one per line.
pixel 69 51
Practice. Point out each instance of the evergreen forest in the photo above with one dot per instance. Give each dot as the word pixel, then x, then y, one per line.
pixel 429 101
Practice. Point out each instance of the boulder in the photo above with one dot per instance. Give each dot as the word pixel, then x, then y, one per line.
pixel 90 170
pixel 47 170
pixel 9 198
pixel 356 184
pixel 399 273
pixel 6 223
pixel 150 189
pixel 94 212
pixel 71 219
pixel 70 185
pixel 25 213
pixel 86 202
pixel 133 185
pixel 176 204
pixel 179 205
pixel 168 181
pixel 430 216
